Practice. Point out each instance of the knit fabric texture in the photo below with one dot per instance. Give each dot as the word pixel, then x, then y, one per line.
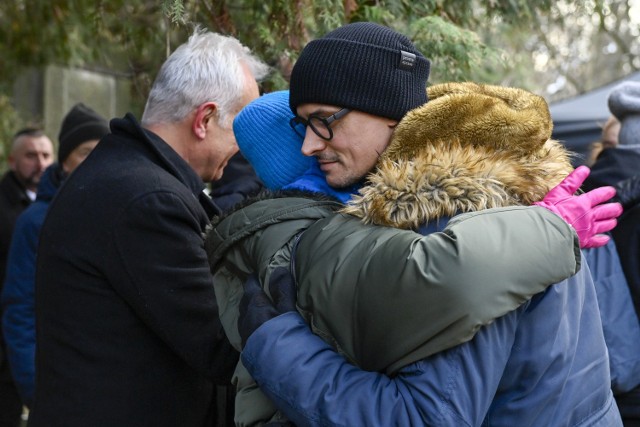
pixel 81 124
pixel 362 66
pixel 268 142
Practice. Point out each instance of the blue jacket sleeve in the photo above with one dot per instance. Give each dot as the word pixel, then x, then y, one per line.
pixel 18 319
pixel 313 385
pixel 620 323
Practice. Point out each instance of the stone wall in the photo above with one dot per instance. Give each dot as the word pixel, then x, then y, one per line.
pixel 45 95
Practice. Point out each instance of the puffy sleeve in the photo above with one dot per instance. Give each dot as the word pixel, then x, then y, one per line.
pixel 314 386
pixel 18 304
pixel 359 284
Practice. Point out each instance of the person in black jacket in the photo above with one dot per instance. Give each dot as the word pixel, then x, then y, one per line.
pixel 127 323
pixel 81 129
pixel 617 165
pixel 31 153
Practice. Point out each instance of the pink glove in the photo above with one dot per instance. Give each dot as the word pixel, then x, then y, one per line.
pixel 584 213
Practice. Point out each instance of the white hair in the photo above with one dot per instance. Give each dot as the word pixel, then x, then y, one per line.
pixel 208 67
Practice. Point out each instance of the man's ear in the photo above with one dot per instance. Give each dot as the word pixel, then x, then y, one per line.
pixel 204 114
pixel 392 124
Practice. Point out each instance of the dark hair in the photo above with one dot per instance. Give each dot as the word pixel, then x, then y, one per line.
pixel 31 132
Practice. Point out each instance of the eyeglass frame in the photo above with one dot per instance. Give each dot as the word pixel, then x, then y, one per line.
pixel 326 121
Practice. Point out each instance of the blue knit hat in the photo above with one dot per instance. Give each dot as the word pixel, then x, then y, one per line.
pixel 268 142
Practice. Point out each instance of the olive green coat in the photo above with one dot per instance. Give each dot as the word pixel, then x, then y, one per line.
pixel 386 297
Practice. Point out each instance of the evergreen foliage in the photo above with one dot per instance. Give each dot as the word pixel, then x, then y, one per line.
pixel 533 44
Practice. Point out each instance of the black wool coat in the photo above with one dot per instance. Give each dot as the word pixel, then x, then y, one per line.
pixel 13 200
pixel 127 323
pixel 618 167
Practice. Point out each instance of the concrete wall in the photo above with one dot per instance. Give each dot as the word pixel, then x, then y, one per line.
pixel 45 95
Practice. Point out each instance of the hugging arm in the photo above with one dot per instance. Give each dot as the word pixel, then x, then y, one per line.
pixel 483 265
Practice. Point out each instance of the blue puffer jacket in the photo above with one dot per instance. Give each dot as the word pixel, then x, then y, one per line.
pixel 619 167
pixel 542 364
pixel 620 324
pixel 17 298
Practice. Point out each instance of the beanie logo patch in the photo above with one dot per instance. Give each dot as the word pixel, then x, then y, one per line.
pixel 407 61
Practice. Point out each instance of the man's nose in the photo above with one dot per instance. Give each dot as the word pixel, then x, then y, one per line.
pixel 312 143
pixel 42 162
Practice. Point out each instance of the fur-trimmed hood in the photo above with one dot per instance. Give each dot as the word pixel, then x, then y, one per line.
pixel 471 147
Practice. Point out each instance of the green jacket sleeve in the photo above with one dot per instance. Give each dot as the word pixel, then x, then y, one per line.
pixel 386 297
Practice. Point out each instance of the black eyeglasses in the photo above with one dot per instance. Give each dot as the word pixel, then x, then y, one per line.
pixel 321 126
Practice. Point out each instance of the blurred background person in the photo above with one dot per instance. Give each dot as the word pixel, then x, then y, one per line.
pixel 80 132
pixel 619 156
pixel 609 139
pixel 31 153
pixel 618 164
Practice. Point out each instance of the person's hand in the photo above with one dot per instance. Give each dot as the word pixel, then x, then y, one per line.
pixel 586 213
pixel 255 306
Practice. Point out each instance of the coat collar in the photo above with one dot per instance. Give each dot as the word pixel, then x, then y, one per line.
pixel 267 209
pixel 471 147
pixel 438 184
pixel 168 158
pixel 13 190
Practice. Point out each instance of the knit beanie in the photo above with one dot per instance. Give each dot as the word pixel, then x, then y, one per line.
pixel 362 66
pixel 81 124
pixel 268 142
pixel 624 104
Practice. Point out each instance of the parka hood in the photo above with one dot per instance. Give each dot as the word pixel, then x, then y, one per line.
pixel 471 147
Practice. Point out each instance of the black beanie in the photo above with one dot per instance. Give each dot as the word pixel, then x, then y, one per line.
pixel 362 66
pixel 81 124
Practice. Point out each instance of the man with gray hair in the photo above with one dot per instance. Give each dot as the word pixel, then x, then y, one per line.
pixel 128 332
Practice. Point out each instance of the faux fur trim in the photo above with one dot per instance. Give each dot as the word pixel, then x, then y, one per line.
pixel 502 118
pixel 463 151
